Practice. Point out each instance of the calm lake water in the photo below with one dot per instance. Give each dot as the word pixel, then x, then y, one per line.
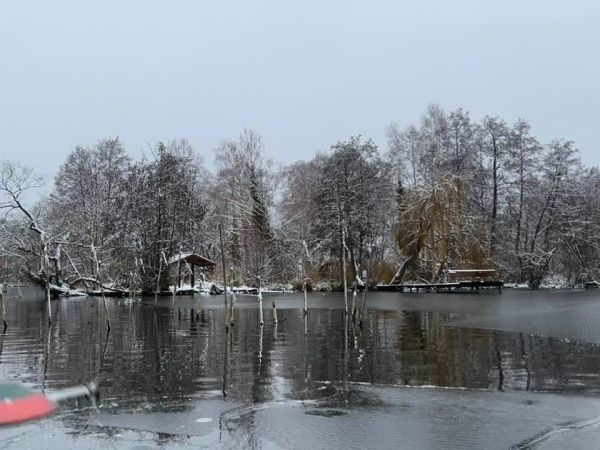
pixel 490 370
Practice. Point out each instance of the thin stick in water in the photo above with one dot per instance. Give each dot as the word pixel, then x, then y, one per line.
pixel 364 299
pixel 233 297
pixel 48 301
pixel 344 271
pixel 99 278
pixel 354 303
pixel 227 321
pixel 2 309
pixel 260 304
pixel 157 290
pixel 305 298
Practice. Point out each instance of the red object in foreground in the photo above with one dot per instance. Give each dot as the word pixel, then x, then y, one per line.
pixel 19 403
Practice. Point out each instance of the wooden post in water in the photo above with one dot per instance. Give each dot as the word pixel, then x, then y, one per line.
pixel 305 326
pixel 226 365
pixel 176 283
pixel 179 271
pixel 304 278
pixel 345 356
pixel 305 298
pixel 353 311
pixel 260 350
pixel 275 321
pixel 344 271
pixel 130 284
pixel 260 303
pixel 233 298
pixel 2 309
pixel 226 312
pixel 44 264
pixel 364 299
pixel 48 301
pixel 134 274
pixel 157 290
pixel 99 277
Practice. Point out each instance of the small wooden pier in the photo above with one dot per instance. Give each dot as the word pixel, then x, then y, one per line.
pixel 459 280
pixel 459 286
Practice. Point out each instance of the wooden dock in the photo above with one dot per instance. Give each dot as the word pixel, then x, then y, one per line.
pixel 458 286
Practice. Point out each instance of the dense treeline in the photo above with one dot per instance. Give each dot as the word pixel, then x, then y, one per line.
pixel 489 194
pixel 448 192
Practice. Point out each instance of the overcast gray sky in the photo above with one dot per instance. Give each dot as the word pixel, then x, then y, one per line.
pixel 304 74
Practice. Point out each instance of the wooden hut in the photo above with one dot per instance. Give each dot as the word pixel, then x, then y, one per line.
pixel 187 262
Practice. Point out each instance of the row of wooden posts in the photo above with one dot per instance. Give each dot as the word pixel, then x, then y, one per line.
pixel 232 299
pixel 229 301
pixel 228 307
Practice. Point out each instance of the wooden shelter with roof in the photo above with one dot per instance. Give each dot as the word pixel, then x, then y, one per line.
pixel 190 261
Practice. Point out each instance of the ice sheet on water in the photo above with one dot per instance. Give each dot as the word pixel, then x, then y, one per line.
pixel 366 416
pixel 351 416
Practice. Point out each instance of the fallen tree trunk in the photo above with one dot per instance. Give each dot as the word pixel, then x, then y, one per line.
pixel 55 290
